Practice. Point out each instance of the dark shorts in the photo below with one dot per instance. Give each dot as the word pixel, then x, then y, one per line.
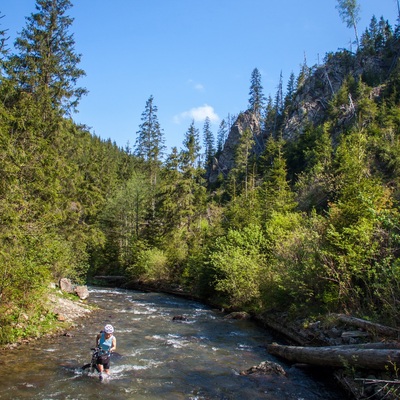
pixel 104 360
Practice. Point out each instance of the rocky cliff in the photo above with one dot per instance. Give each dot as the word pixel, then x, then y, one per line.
pixel 310 102
pixel 225 162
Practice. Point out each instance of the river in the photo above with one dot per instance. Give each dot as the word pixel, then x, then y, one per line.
pixel 156 358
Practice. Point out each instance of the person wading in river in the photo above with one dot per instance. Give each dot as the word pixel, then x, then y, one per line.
pixel 108 343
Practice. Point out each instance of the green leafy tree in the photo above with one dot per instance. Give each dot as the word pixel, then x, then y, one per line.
pixel 238 260
pixel 354 232
pixel 123 220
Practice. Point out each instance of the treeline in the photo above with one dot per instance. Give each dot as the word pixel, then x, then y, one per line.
pixel 306 221
pixel 54 175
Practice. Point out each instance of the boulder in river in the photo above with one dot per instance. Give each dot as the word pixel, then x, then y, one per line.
pixel 179 318
pixel 66 285
pixel 264 368
pixel 238 315
pixel 82 292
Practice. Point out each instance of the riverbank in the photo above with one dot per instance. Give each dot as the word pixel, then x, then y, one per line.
pixel 61 313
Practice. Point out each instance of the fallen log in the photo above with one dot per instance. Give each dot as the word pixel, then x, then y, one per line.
pixel 377 359
pixel 377 346
pixel 111 277
pixel 372 327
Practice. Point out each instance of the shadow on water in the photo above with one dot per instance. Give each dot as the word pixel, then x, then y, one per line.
pixel 157 358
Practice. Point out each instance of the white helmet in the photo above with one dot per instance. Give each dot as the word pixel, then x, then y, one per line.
pixel 108 328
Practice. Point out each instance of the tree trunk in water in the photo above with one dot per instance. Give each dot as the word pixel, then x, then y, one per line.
pixel 342 356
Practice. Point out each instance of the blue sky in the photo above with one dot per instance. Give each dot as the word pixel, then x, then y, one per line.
pixel 195 57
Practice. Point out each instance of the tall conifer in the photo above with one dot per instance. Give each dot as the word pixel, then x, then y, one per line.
pixel 256 100
pixel 209 146
pixel 349 11
pixel 47 65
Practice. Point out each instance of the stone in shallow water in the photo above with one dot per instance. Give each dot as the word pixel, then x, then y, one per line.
pixel 266 367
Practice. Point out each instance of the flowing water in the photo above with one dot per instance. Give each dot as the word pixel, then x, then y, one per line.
pixel 156 358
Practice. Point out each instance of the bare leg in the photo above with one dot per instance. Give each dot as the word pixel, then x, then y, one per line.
pixel 101 369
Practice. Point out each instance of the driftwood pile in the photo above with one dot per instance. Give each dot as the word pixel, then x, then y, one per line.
pixel 372 348
pixel 375 356
pixel 382 355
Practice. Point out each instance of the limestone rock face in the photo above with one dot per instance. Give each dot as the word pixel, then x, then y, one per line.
pixel 226 160
pixel 308 107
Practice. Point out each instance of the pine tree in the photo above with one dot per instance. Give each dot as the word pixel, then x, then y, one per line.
pixel 256 100
pixel 349 11
pixel 269 118
pixel 276 193
pixel 47 65
pixel 150 139
pixel 221 136
pixel 3 45
pixel 279 105
pixel 192 184
pixel 150 144
pixel 191 152
pixel 242 176
pixel 290 91
pixel 304 74
pixel 209 147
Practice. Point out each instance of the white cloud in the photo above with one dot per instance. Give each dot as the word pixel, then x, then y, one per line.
pixel 198 114
pixel 199 87
pixel 196 85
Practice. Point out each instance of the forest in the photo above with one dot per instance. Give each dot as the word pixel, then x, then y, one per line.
pixel 304 218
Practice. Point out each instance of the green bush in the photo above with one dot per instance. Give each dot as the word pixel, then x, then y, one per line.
pixel 237 261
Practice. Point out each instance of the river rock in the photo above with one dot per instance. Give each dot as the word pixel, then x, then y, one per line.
pixel 179 318
pixel 66 285
pixel 82 292
pixel 266 367
pixel 238 315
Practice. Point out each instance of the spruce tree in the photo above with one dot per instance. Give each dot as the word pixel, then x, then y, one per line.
pixel 279 105
pixel 290 92
pixel 209 147
pixel 3 45
pixel 256 100
pixel 221 136
pixel 192 183
pixel 150 145
pixel 47 65
pixel 150 138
